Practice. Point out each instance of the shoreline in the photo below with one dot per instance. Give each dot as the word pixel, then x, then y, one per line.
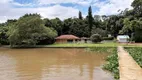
pixel 67 45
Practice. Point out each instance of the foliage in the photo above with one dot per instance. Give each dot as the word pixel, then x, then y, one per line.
pixel 57 24
pixel 67 23
pixel 112 64
pixel 99 31
pixel 90 18
pixel 80 15
pixel 138 31
pixel 114 24
pixel 3 31
pixel 28 30
pixel 97 22
pixel 95 38
pixel 136 53
pixel 137 5
pixel 79 28
pixel 3 36
pixel 101 49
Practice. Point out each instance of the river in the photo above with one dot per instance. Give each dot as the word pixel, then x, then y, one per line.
pixel 51 64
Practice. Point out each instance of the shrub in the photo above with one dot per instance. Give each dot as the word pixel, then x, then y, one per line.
pixel 95 38
pixel 137 35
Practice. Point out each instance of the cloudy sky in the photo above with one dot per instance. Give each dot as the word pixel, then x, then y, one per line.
pixel 13 9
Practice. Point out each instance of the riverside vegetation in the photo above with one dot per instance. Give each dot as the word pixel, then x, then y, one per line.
pixel 112 60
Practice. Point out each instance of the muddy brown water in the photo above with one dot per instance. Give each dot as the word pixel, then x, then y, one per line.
pixel 51 64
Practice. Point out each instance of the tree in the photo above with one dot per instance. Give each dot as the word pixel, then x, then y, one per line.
pixel 99 31
pixel 137 5
pixel 114 24
pixel 4 29
pixel 79 28
pixel 137 31
pixel 80 15
pixel 28 30
pixel 48 23
pixel 3 36
pixel 90 18
pixel 127 28
pixel 97 21
pixel 66 25
pixel 57 24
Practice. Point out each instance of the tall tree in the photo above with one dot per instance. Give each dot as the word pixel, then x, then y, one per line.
pixel 80 15
pixel 90 18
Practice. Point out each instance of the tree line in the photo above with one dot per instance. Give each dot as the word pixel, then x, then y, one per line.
pixel 30 29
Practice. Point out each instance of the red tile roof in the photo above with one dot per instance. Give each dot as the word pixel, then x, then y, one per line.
pixel 67 37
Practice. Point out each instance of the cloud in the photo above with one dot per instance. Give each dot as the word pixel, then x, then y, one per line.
pixel 79 2
pixel 46 12
pixel 107 7
pixel 5 1
pixel 111 7
pixel 58 11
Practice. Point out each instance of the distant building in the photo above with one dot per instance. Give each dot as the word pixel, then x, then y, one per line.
pixel 67 39
pixel 123 38
pixel 85 40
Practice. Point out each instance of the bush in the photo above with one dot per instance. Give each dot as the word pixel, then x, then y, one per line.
pixel 137 35
pixel 108 38
pixel 95 38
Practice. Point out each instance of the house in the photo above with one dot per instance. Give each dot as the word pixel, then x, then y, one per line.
pixel 123 38
pixel 85 40
pixel 67 39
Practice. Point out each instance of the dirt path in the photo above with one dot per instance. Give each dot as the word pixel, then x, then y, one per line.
pixel 128 68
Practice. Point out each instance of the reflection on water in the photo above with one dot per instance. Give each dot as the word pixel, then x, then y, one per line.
pixel 51 64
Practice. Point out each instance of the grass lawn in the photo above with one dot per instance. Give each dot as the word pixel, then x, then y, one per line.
pixel 107 44
pixel 84 45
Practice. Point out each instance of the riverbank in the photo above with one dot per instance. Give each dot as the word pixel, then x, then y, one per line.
pixel 80 45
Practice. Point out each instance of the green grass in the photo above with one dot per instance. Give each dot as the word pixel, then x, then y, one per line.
pixel 136 53
pixel 111 61
pixel 85 45
pixel 107 44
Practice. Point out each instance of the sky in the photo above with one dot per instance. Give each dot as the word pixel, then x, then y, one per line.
pixel 63 9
